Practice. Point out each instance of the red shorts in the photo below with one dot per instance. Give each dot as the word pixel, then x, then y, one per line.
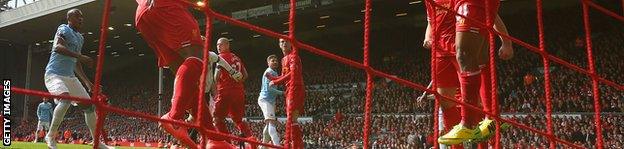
pixel 230 103
pixel 295 99
pixel 166 30
pixel 477 13
pixel 447 72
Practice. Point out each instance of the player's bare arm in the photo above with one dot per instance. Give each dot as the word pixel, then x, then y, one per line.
pixel 427 41
pixel 83 77
pixel 506 50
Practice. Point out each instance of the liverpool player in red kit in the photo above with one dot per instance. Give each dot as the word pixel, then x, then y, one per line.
pixel 172 32
pixel 230 99
pixel 447 81
pixel 472 57
pixel 295 90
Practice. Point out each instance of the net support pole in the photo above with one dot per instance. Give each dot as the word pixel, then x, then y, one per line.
pixel 594 77
pixel 546 62
pixel 160 90
pixel 101 113
pixel 27 84
pixel 369 76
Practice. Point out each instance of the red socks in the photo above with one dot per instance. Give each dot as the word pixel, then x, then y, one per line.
pixel 470 86
pixel 486 89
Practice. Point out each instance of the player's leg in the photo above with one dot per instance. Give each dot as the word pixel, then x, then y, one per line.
pixel 221 111
pixel 295 105
pixel 76 89
pixel 266 138
pixel 468 53
pixel 46 126
pixel 185 94
pixel 469 43
pixel 39 128
pixel 237 112
pixel 265 131
pixel 486 125
pixel 272 124
pixel 448 83
pixel 56 86
pixel 206 123
pixel 173 34
pixel 270 131
pixel 187 71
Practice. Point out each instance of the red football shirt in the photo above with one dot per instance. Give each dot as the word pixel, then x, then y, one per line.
pixel 291 67
pixel 225 81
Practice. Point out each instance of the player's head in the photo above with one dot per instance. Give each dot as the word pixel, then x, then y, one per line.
pixel 74 18
pixel 223 45
pixel 285 46
pixel 272 61
pixel 45 99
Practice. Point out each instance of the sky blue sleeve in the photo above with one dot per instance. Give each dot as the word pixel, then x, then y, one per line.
pixel 62 31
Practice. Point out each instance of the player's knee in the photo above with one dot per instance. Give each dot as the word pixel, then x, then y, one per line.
pixel 463 57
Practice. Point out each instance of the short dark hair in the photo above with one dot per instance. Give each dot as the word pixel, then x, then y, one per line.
pixel 271 57
pixel 73 12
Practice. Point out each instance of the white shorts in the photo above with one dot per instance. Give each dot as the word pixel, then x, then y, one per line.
pixel 43 125
pixel 57 85
pixel 268 109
